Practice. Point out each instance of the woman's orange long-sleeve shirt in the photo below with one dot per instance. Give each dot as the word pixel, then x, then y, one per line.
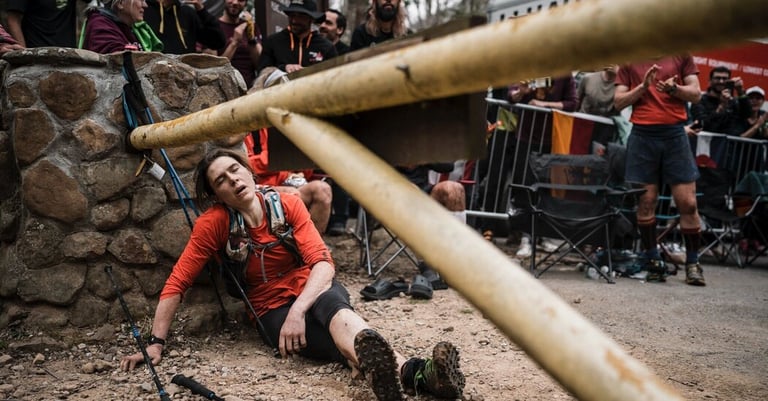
pixel 285 279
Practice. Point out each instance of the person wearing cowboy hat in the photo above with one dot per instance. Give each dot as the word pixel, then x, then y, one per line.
pixel 298 45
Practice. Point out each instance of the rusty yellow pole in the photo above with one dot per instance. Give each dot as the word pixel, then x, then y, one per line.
pixel 575 352
pixel 581 35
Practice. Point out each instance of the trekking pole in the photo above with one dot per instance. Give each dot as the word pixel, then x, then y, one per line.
pixel 195 387
pixel 262 330
pixel 163 395
pixel 137 112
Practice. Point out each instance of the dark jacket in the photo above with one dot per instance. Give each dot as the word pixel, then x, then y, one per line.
pixel 277 50
pixel 725 122
pixel 419 175
pixel 361 38
pixel 104 33
pixel 181 27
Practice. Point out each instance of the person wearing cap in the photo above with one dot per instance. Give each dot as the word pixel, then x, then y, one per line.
pixel 754 126
pixel 385 20
pixel 118 26
pixel 298 45
pixel 181 25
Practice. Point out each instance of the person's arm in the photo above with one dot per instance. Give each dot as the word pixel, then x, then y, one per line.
pixel 7 42
pixel 624 97
pixel 234 41
pixel 14 27
pixel 314 253
pixel 570 101
pixel 516 93
pixel 756 128
pixel 293 330
pixel 161 325
pixel 689 91
pixel 210 33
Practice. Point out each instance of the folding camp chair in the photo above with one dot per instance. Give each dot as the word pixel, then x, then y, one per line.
pixel 721 223
pixel 750 201
pixel 668 236
pixel 571 201
pixel 369 259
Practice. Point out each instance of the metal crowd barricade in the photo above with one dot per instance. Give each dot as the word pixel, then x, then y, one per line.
pixel 488 197
pixel 743 155
pixel 736 154
pixel 509 149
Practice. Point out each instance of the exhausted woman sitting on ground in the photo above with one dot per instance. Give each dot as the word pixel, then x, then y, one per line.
pixel 302 308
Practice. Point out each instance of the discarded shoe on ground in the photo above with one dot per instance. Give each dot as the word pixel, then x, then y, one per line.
pixel 384 289
pixel 421 288
pixel 433 277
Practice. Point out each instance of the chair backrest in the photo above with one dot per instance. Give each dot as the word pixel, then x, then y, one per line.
pixel 715 186
pixel 579 182
pixel 570 169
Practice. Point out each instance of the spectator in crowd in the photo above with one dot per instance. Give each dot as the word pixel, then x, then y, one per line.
pixel 243 40
pixel 302 307
pixel 113 28
pixel 535 133
pixel 316 194
pixel 333 28
pixel 755 125
pixel 595 92
pixel 297 46
pixel 386 20
pixel 719 108
pixel 181 26
pixel 7 42
pixel 41 23
pixel 658 152
pixel 451 195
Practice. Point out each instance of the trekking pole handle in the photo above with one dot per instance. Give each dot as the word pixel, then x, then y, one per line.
pixel 195 387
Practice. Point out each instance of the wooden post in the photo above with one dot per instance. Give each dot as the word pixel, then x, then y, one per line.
pixel 582 35
pixel 576 353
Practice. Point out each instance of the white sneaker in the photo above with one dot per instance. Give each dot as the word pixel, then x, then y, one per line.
pixel 548 245
pixel 525 248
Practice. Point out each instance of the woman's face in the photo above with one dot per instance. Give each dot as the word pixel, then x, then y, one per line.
pixel 756 101
pixel 133 10
pixel 232 182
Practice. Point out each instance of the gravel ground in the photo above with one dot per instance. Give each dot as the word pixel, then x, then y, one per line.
pixel 707 343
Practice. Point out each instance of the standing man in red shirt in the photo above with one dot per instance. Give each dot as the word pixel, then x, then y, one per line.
pixel 658 151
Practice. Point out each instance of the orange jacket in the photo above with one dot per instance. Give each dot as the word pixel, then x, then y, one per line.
pixel 260 162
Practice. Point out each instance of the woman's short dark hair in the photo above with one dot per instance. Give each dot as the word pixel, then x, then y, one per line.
pixel 203 190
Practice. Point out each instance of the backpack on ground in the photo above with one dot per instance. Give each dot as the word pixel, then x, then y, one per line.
pixel 234 256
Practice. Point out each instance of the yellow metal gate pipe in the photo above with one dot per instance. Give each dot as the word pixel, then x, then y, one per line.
pixel 583 35
pixel 576 353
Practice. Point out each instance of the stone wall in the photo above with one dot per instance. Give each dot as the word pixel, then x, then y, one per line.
pixel 70 199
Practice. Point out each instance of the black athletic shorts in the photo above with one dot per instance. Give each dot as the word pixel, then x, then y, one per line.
pixel 320 345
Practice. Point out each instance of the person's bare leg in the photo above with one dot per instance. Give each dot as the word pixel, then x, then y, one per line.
pixel 450 194
pixel 685 199
pixel 317 196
